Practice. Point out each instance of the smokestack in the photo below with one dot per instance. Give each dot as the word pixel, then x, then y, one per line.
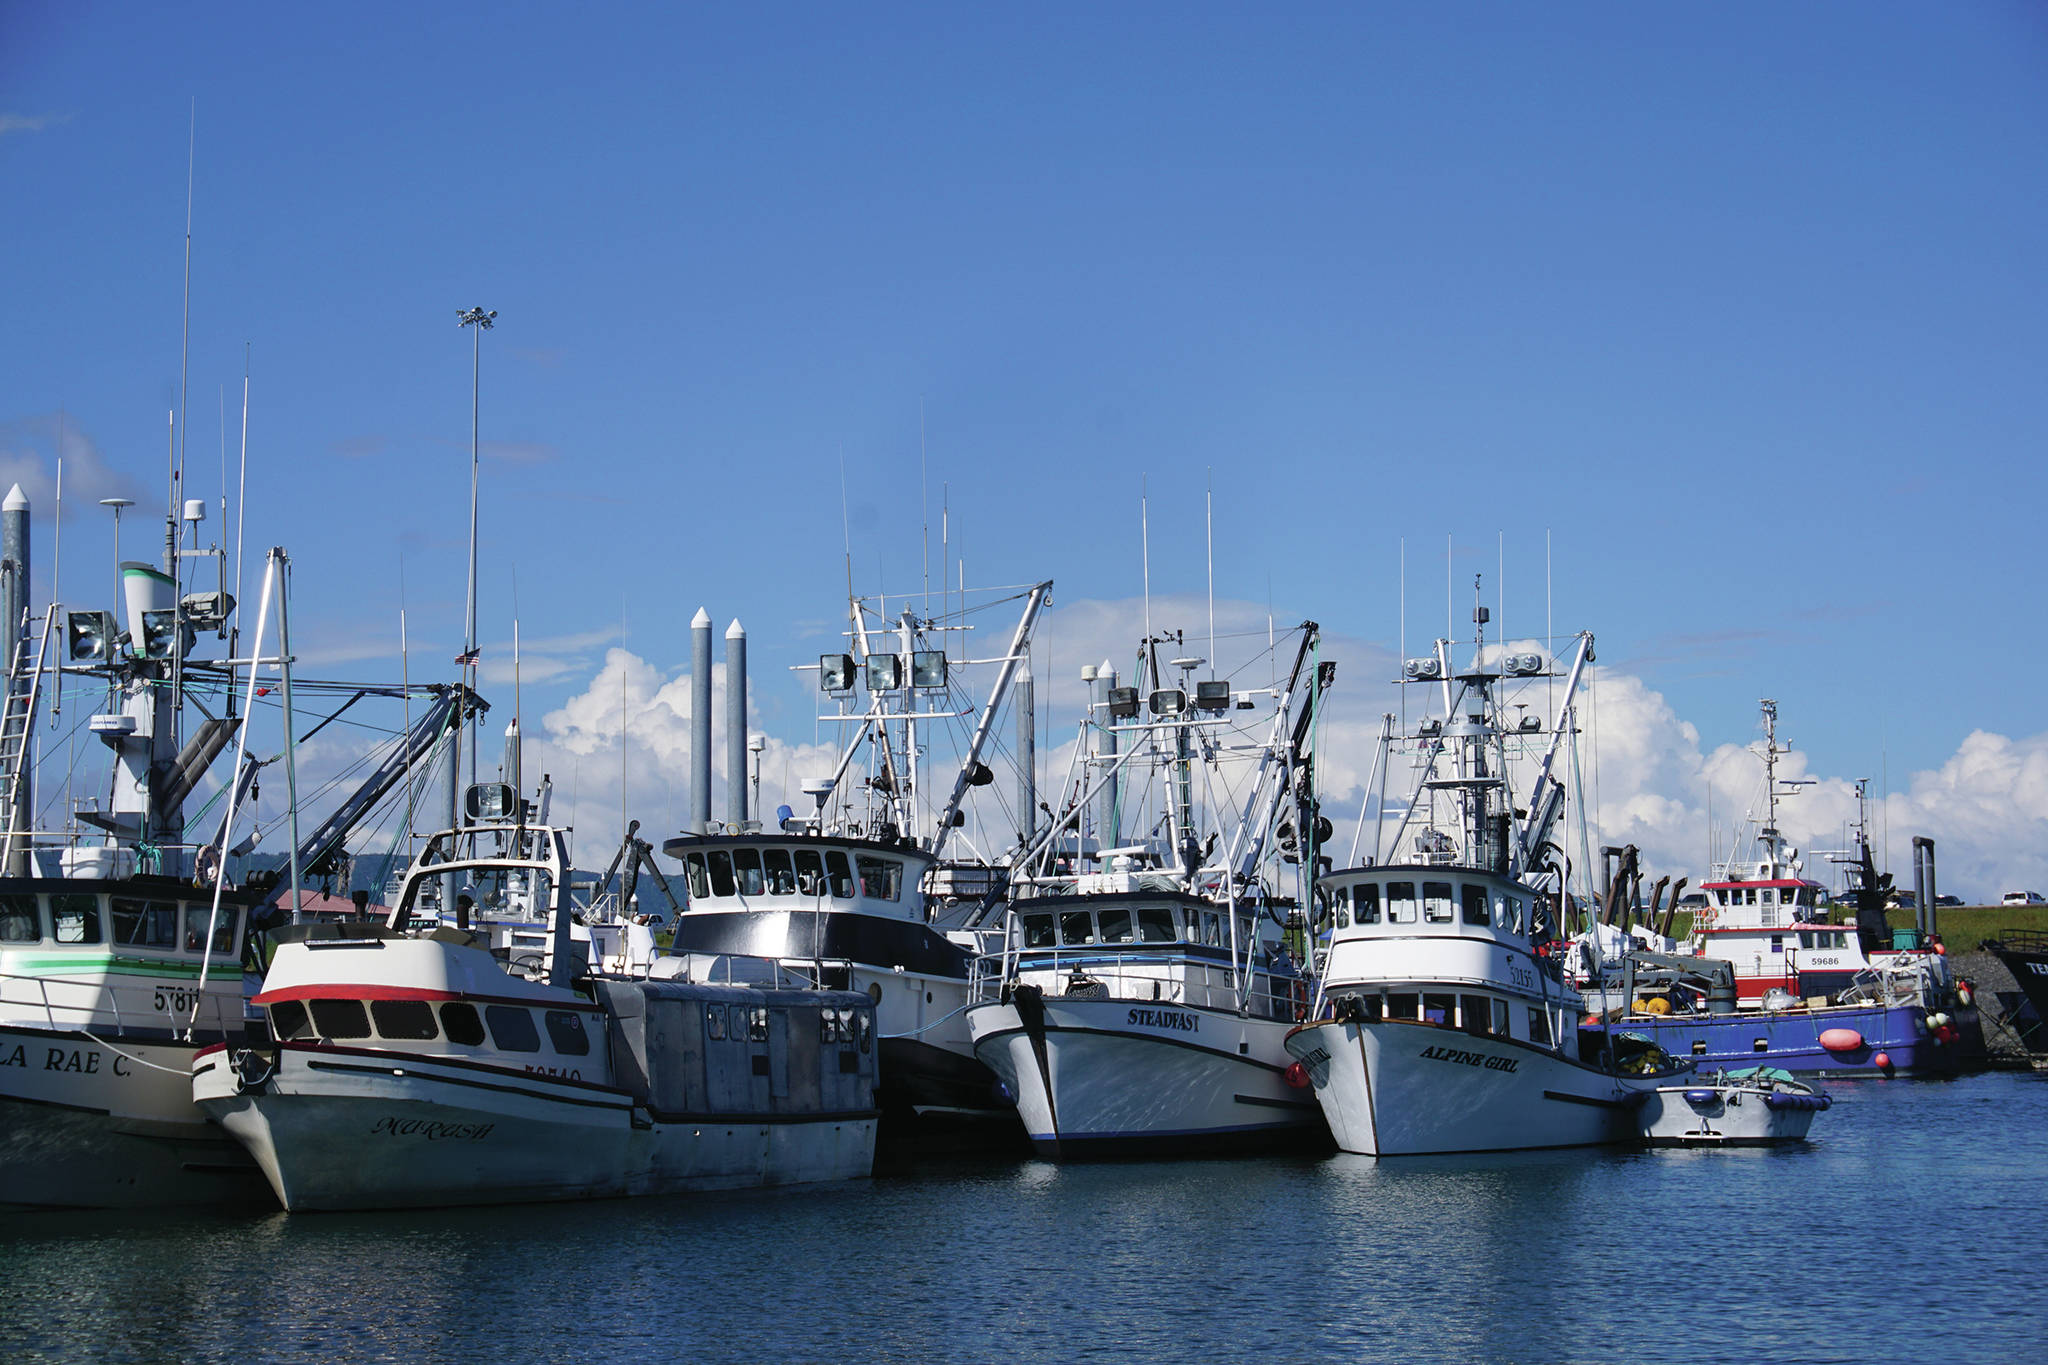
pixel 14 596
pixel 1027 759
pixel 1106 833
pixel 512 761
pixel 735 725
pixel 700 722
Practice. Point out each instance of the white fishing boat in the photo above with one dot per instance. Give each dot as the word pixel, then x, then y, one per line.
pixel 1753 1107
pixel 418 1068
pixel 1141 1007
pixel 1443 1022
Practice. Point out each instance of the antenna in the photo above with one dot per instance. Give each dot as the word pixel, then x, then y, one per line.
pixel 242 520
pixel 924 514
pixel 1145 541
pixel 185 342
pixel 1209 515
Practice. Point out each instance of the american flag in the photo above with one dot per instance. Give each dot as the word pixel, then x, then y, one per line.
pixel 469 658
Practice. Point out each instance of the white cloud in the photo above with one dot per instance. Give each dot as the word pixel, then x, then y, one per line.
pixel 28 456
pixel 30 123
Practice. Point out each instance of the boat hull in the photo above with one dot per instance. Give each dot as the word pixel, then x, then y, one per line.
pixel 352 1129
pixel 1720 1116
pixel 1402 1088
pixel 1791 1040
pixel 1109 1079
pixel 108 1122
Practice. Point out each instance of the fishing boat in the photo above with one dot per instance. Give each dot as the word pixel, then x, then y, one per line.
pixel 1140 1007
pixel 1810 996
pixel 416 1068
pixel 868 892
pixel 1443 1022
pixel 1757 1106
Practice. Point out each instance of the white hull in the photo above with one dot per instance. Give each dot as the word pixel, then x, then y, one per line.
pixel 105 1122
pixel 1718 1116
pixel 1106 1078
pixel 339 1128
pixel 1401 1088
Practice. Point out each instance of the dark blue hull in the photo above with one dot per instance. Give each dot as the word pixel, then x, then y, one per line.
pixel 1790 1040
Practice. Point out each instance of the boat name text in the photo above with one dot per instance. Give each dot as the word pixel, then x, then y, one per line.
pixel 1480 1059
pixel 84 1061
pixel 1183 1020
pixel 430 1130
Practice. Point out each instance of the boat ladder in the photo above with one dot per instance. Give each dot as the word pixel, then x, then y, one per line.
pixel 17 724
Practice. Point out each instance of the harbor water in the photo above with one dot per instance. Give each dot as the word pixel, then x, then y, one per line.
pixel 1908 1229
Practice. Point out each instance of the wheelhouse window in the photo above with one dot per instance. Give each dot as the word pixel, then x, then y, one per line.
pixel 700 880
pixel 722 883
pixel 1437 1009
pixel 1077 926
pixel 1539 1026
pixel 566 1032
pixel 20 919
pixel 1436 902
pixel 1115 925
pixel 775 866
pixel 459 1019
pixel 1403 1005
pixel 1037 931
pixel 196 919
pixel 145 924
pixel 810 872
pixel 1475 1014
pixel 1212 929
pixel 512 1025
pixel 881 879
pixel 340 1019
pixel 840 873
pixel 714 1022
pixel 1155 924
pixel 1400 902
pixel 1365 903
pixel 1507 914
pixel 746 867
pixel 75 917
pixel 288 1020
pixel 404 1018
pixel 1472 900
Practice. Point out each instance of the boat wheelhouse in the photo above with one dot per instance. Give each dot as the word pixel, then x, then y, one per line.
pixel 1142 1009
pixel 477 1078
pixel 1443 1022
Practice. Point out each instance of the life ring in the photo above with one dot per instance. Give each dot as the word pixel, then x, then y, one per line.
pixel 206 865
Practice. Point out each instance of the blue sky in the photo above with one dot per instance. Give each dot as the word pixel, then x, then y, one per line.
pixel 1741 307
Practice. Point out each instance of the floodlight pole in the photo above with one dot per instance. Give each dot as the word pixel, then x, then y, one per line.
pixel 483 322
pixel 117 504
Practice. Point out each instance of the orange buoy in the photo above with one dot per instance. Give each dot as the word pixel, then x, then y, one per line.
pixel 1841 1039
pixel 1884 1062
pixel 1296 1075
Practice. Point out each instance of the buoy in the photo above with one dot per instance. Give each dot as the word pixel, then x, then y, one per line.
pixel 1884 1062
pixel 1841 1039
pixel 1941 950
pixel 1964 993
pixel 1296 1075
pixel 1938 1019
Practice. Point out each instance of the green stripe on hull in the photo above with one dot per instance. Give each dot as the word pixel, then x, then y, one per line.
pixel 118 966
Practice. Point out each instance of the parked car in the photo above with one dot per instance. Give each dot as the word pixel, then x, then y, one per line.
pixel 1944 902
pixel 2023 898
pixel 1693 900
pixel 1905 900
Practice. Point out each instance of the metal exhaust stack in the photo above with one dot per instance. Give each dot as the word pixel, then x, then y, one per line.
pixel 14 598
pixel 1027 760
pixel 1923 883
pixel 735 726
pixel 700 722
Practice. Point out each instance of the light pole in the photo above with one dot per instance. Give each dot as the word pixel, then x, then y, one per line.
pixel 483 322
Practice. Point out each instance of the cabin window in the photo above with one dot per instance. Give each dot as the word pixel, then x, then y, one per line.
pixel 147 924
pixel 1500 1018
pixel 1343 918
pixel 1038 931
pixel 512 1027
pixel 20 920
pixel 1749 895
pixel 1116 925
pixel 1479 1014
pixel 881 879
pixel 781 876
pixel 340 1019
pixel 459 1019
pixel 1076 926
pixel 1244 933
pixel 404 1018
pixel 1403 1005
pixel 746 866
pixel 196 917
pixel 722 883
pixel 1155 924
pixel 1437 1009
pixel 714 1023
pixel 700 881
pixel 288 1020
pixel 840 875
pixel 1539 1027
pixel 1777 943
pixel 76 918
pixel 1375 1007
pixel 1365 903
pixel 810 872
pixel 757 1026
pixel 1770 896
pixel 1436 902
pixel 1339 897
pixel 1400 902
pixel 1507 914
pixel 1473 900
pixel 566 1032
pixel 1212 929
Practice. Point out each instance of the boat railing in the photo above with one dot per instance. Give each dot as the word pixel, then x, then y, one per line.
pixel 2021 940
pixel 1102 972
pixel 173 1005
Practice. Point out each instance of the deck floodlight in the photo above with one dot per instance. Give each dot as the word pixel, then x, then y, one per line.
pixel 1427 669
pixel 1123 703
pixel 1212 696
pixel 928 668
pixel 208 610
pixel 835 672
pixel 1524 665
pixel 885 672
pixel 489 801
pixel 1168 701
pixel 164 635
pixel 90 636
